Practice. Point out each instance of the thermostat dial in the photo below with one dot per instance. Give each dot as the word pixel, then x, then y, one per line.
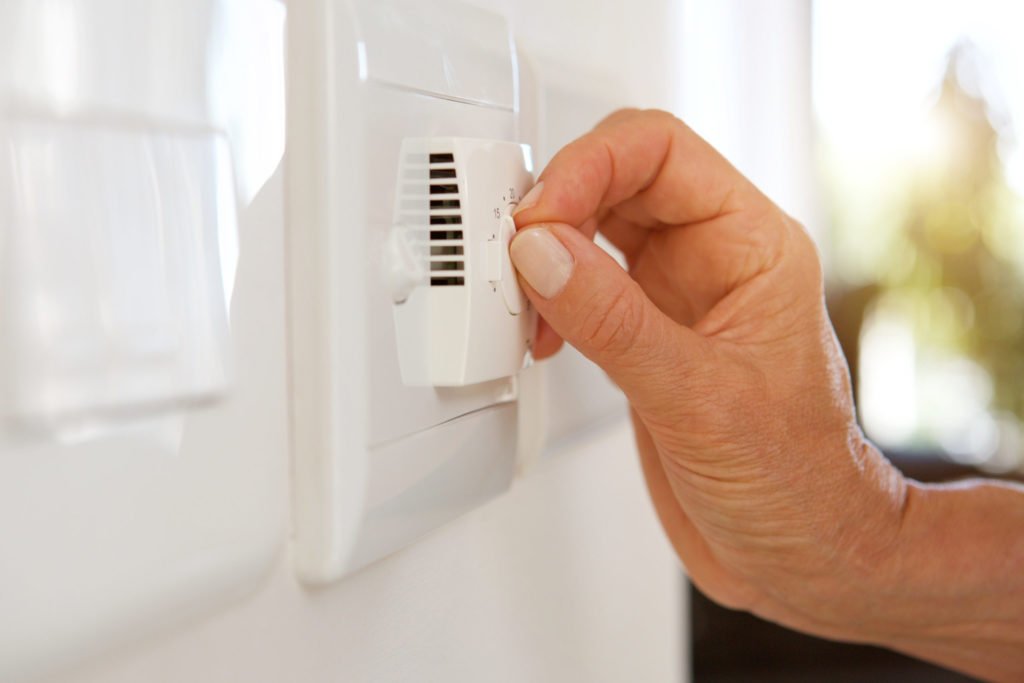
pixel 460 315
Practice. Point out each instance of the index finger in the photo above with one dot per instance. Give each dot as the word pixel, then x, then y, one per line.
pixel 648 165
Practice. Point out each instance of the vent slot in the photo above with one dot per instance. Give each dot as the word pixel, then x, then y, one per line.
pixel 446 251
pixel 446 265
pixel 447 281
pixel 446 220
pixel 445 204
pixel 445 235
pixel 448 260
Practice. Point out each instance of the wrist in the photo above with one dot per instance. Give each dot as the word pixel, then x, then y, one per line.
pixel 864 546
pixel 828 582
pixel 951 589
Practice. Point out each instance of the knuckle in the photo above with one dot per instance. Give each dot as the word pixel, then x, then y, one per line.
pixel 632 115
pixel 669 121
pixel 661 116
pixel 618 115
pixel 805 256
pixel 811 257
pixel 613 322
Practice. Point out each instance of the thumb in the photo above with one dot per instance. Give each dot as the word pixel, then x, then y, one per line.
pixel 592 303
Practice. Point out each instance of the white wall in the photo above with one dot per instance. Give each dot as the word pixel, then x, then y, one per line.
pixel 565 578
pixel 746 73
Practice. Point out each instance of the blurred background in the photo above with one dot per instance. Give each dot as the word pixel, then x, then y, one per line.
pixel 916 198
pixel 923 177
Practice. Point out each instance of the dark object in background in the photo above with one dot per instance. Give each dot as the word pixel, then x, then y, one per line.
pixel 734 647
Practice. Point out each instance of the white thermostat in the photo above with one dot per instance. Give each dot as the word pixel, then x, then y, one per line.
pixel 412 402
pixel 460 316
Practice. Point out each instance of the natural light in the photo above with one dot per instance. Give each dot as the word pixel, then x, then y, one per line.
pixel 919 114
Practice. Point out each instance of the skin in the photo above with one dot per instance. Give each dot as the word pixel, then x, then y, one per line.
pixel 764 483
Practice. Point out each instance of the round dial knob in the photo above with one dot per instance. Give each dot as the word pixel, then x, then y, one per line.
pixel 515 300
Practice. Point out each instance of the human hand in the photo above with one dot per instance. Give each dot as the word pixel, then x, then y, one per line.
pixel 719 337
pixel 741 402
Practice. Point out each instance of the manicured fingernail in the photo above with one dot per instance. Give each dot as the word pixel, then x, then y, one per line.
pixel 530 199
pixel 542 260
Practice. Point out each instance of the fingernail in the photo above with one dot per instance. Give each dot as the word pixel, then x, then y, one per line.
pixel 542 260
pixel 530 199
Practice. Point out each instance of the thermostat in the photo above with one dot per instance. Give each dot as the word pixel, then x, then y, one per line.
pixel 460 316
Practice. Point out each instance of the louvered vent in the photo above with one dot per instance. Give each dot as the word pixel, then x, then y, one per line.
pixel 447 257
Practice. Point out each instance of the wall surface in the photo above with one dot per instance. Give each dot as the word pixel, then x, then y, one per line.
pixel 746 74
pixel 565 578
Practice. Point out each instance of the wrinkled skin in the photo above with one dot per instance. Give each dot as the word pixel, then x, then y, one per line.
pixel 741 401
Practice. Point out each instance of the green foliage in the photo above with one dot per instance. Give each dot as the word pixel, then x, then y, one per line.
pixel 946 242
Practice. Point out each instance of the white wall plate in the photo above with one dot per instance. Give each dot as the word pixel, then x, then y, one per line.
pixel 379 459
pixel 375 406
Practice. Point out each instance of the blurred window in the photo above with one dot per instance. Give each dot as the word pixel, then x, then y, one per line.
pixel 924 173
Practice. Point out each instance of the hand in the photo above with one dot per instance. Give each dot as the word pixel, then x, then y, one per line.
pixel 740 397
pixel 719 337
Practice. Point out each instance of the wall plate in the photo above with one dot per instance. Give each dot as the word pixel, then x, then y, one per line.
pixel 380 458
pixel 378 461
